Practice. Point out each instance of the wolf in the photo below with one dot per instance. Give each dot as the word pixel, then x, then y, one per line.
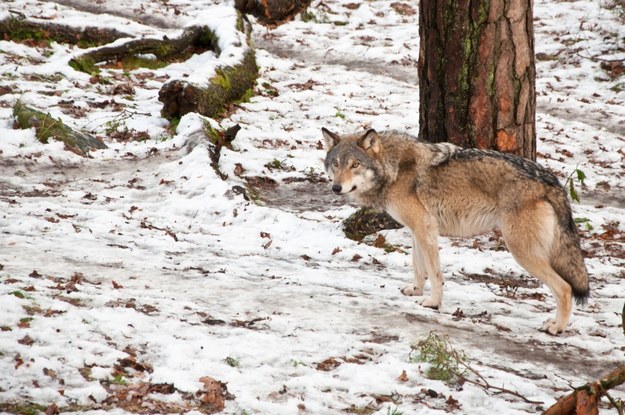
pixel 443 189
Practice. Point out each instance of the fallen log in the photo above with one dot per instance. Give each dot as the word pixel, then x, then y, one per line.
pixel 22 29
pixel 229 84
pixel 585 399
pixel 209 96
pixel 48 127
pixel 191 37
pixel 205 92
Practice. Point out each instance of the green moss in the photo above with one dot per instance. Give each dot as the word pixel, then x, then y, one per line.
pixel 222 78
pixel 18 32
pixel 23 408
pixel 240 23
pixel 130 63
pixel 84 64
pixel 164 49
pixel 212 134
pixel 206 39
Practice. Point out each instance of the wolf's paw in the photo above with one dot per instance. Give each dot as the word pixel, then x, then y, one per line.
pixel 411 290
pixel 552 327
pixel 430 303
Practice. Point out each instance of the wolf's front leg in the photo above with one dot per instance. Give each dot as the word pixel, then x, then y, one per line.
pixel 425 235
pixel 419 271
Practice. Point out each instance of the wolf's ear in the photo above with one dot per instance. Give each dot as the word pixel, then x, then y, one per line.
pixel 330 138
pixel 370 142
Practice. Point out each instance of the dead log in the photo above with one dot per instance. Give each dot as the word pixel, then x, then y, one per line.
pixel 585 400
pixel 209 98
pixel 48 127
pixel 181 96
pixel 22 29
pixel 229 84
pixel 272 13
pixel 192 37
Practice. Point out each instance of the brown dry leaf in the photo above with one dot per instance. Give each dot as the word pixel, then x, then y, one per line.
pixel 452 404
pixel 52 409
pixel 212 393
pixel 26 340
pixel 18 360
pixel 380 241
pixel 403 8
pixel 328 364
pixel 403 377
pixel 238 169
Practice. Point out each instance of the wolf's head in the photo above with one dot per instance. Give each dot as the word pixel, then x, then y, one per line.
pixel 352 161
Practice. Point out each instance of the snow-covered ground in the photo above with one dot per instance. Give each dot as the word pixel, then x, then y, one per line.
pixel 129 277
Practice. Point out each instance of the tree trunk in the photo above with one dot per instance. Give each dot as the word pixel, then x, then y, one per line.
pixel 477 74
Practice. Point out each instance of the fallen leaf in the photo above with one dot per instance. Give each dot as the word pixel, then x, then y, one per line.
pixel 49 372
pixel 452 404
pixel 52 409
pixel 328 364
pixel 403 377
pixel 380 241
pixel 212 393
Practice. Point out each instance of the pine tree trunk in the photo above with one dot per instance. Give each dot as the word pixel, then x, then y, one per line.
pixel 477 74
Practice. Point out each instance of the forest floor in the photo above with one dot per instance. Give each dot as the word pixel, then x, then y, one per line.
pixel 139 280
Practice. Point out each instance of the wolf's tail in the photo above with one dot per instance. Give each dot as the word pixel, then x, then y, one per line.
pixel 566 255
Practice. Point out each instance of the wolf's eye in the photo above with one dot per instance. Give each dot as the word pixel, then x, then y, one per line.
pixel 335 163
pixel 355 165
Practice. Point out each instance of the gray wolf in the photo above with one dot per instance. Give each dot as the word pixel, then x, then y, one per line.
pixel 443 189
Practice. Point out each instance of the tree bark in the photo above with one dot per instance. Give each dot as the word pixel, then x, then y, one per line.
pixel 477 74
pixel 585 400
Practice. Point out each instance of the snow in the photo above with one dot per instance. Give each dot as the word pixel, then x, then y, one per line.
pixel 142 251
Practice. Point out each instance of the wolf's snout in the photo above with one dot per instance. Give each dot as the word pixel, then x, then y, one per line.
pixel 336 188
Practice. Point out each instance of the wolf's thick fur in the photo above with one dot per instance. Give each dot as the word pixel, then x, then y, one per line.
pixel 444 189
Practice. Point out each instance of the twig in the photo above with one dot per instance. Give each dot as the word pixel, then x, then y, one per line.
pixel 618 405
pixel 487 385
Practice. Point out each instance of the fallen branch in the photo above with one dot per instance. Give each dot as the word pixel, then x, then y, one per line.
pixel 210 96
pixel 47 127
pixel 585 399
pixel 22 29
pixel 195 36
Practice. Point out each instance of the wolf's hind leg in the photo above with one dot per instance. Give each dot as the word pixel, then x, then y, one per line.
pixel 420 275
pixel 529 235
